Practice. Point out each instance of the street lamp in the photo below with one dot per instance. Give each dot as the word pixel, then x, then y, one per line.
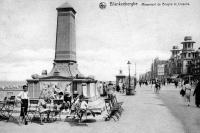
pixel 129 78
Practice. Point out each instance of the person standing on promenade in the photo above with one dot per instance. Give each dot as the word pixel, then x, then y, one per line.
pixel 104 89
pixel 23 98
pixel 140 83
pixel 157 87
pixel 187 88
pixel 110 90
pixel 121 87
pixel 197 94
pixel 176 83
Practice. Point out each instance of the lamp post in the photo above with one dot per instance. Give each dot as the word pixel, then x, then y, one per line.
pixel 129 79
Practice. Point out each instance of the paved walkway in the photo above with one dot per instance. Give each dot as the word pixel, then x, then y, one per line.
pixel 144 113
pixel 147 113
pixel 188 115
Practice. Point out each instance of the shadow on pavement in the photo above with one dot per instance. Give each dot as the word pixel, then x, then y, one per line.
pixel 10 120
pixel 75 122
pixel 156 104
pixel 89 121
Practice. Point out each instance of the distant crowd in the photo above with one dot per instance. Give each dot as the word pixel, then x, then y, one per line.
pixel 106 88
pixel 189 88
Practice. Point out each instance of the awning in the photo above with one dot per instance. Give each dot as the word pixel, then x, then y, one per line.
pixel 174 76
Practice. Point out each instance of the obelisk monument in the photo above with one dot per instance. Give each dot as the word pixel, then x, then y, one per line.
pixel 65 63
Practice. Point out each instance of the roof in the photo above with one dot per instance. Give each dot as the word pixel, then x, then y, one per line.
pixel 188 41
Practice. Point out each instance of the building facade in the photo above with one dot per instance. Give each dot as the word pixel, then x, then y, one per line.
pixel 174 63
pixel 196 64
pixel 158 69
pixel 184 63
pixel 187 56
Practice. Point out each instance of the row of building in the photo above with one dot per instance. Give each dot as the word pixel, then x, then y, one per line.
pixel 184 63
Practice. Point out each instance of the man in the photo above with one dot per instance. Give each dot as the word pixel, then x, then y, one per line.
pixel 23 98
pixel 197 94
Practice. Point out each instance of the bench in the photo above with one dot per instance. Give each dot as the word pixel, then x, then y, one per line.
pixel 114 108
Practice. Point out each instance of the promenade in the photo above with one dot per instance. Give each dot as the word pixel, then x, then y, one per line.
pixel 144 112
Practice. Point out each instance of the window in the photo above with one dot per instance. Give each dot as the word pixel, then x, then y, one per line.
pixel 189 45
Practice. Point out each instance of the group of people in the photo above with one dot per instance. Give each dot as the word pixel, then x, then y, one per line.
pixel 106 88
pixel 70 102
pixel 54 92
pixel 141 82
pixel 186 92
pixel 120 87
pixel 67 98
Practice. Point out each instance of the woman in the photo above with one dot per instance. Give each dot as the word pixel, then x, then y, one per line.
pixel 23 97
pixel 68 99
pixel 197 94
pixel 42 109
pixel 187 88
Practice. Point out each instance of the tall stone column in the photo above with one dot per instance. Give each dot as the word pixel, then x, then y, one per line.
pixel 65 63
pixel 65 50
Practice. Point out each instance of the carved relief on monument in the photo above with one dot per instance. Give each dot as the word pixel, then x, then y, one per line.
pixel 48 89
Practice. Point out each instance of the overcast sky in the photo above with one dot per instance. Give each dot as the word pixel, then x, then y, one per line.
pixel 106 39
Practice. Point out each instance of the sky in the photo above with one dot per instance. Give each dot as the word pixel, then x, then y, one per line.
pixel 105 38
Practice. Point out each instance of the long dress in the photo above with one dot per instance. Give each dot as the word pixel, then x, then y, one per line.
pixel 187 92
pixel 197 94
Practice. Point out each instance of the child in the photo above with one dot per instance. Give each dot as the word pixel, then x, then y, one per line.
pixel 84 107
